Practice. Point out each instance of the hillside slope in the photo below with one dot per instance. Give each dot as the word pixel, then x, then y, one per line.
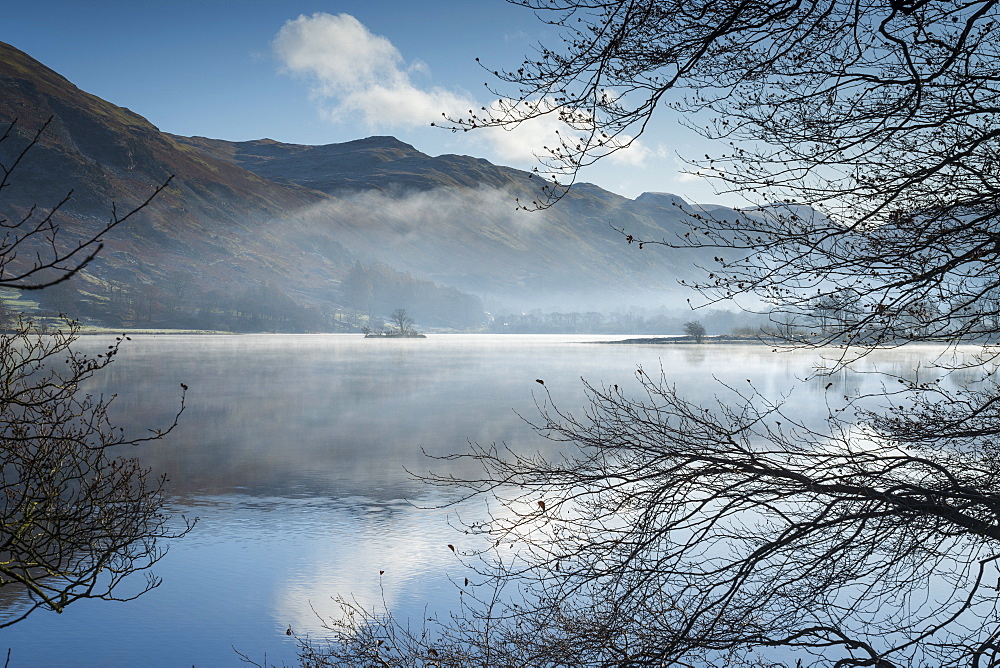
pixel 256 226
pixel 455 219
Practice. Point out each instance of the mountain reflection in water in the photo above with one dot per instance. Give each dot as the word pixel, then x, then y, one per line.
pixel 293 453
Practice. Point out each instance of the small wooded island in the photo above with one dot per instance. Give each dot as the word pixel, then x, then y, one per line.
pixel 403 330
pixel 395 335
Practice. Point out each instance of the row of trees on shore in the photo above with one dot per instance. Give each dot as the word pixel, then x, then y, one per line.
pixel 254 307
pixel 262 307
pixel 633 321
pixel 366 296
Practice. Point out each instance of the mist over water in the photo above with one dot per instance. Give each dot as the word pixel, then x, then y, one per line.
pixel 293 453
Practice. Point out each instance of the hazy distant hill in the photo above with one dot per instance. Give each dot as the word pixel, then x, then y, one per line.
pixel 453 218
pixel 261 234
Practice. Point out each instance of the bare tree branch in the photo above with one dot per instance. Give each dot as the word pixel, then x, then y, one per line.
pixel 78 516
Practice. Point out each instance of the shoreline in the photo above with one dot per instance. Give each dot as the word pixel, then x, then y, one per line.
pixel 688 340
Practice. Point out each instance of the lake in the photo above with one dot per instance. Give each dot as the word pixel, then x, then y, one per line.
pixel 293 453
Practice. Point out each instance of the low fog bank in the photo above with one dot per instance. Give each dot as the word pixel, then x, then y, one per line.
pixel 478 241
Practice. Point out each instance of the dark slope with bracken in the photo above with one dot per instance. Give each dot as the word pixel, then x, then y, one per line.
pixel 218 227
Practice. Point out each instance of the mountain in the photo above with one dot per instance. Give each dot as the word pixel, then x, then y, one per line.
pixel 454 219
pixel 267 235
pixel 217 225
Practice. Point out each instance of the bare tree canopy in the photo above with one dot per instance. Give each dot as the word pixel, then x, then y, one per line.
pixel 78 515
pixel 401 320
pixel 667 533
pixel 853 102
pixel 695 330
pixel 863 135
pixel 673 534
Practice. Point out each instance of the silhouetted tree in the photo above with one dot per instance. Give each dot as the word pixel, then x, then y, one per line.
pixel 77 516
pixel 695 330
pixel 379 289
pixel 401 320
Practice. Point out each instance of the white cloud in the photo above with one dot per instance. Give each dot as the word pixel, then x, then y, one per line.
pixel 689 177
pixel 361 73
pixel 540 136
pixel 635 154
pixel 337 51
pixel 362 76
pixel 526 141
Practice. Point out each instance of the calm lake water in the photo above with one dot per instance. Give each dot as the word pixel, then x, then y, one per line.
pixel 293 454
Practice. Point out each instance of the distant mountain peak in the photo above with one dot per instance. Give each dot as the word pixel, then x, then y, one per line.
pixel 381 141
pixel 662 199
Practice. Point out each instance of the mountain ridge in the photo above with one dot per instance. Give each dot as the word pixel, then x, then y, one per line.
pixel 287 223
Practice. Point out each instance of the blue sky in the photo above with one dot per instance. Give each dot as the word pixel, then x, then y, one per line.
pixel 321 72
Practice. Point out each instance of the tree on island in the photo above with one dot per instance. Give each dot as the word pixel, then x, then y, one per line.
pixel 695 330
pixel 77 515
pixel 401 320
pixel 668 533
